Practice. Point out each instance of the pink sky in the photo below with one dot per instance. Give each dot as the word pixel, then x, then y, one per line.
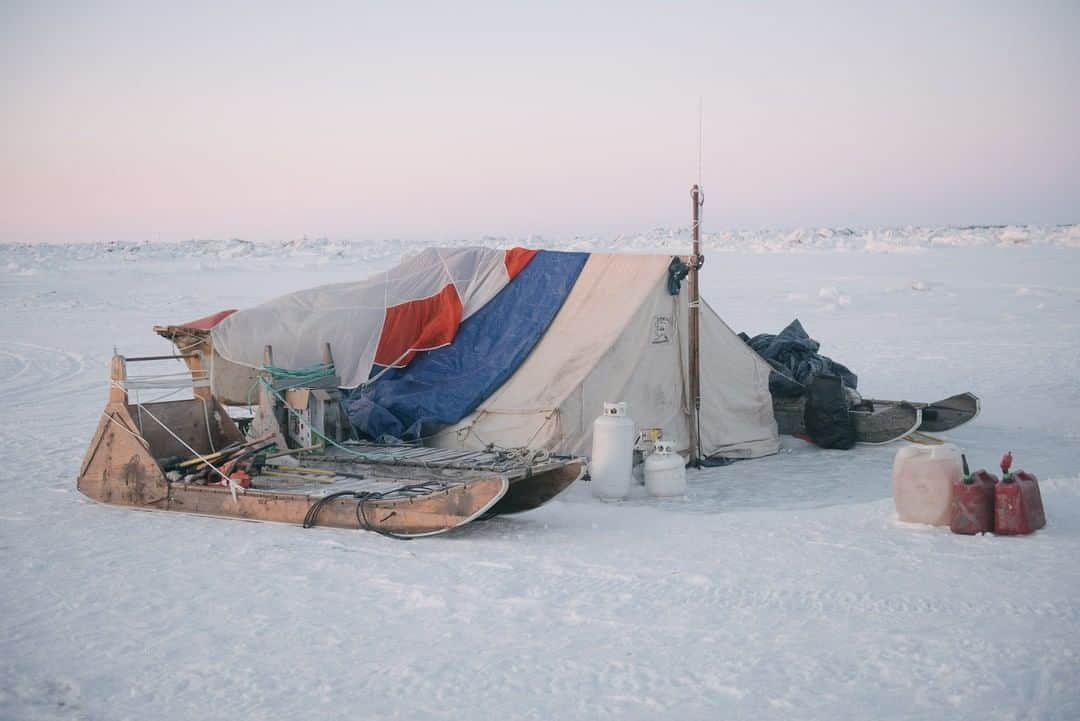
pixel 270 120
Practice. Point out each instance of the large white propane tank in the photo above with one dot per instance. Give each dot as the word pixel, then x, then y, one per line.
pixel 923 478
pixel 612 452
pixel 665 471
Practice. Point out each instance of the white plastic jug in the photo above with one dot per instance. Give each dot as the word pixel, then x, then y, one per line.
pixel 923 478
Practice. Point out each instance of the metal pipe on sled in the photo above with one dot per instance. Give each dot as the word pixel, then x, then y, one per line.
pixel 402 491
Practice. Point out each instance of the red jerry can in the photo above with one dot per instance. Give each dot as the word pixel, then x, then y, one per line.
pixel 1018 508
pixel 973 502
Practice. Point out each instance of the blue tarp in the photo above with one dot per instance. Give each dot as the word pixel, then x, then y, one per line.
pixel 443 386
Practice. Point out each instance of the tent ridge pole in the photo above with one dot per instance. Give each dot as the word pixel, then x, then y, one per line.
pixel 696 261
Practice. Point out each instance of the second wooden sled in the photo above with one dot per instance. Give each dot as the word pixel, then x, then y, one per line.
pixel 875 423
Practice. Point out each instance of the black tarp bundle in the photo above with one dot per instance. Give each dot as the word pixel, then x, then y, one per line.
pixel 828 420
pixel 798 369
pixel 795 360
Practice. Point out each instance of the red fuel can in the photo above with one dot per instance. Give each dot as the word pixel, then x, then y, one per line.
pixel 973 503
pixel 1018 508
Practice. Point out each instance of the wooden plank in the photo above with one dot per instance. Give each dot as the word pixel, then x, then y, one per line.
pixel 120 470
pixel 427 514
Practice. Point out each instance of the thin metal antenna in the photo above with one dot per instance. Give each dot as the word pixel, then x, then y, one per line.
pixel 700 138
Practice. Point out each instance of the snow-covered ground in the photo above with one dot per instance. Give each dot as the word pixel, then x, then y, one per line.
pixel 781 588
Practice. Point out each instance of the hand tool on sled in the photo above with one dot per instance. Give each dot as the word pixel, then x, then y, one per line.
pixel 226 451
pixel 304 469
pixel 292 451
pixel 298 477
pixel 228 467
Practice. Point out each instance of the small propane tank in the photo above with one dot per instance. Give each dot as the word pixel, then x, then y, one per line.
pixel 612 453
pixel 923 482
pixel 665 471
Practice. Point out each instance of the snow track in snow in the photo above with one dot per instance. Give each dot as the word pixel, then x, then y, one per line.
pixel 32 371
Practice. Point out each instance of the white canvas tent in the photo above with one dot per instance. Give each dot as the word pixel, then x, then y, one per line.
pixel 620 336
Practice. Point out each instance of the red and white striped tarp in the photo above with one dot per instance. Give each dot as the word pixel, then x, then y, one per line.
pixel 383 320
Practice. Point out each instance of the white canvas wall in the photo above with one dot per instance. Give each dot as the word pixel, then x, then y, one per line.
pixel 621 337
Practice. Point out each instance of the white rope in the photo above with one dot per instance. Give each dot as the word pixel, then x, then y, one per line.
pixel 515 411
pixel 387 369
pixel 163 384
pixel 176 374
pixel 234 487
pixel 138 408
pixel 142 441
pixel 470 430
pixel 446 267
pixel 185 348
pixel 160 398
pixel 167 381
pixel 524 454
pixel 209 434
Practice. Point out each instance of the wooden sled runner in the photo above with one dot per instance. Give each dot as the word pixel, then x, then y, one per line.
pixel 883 421
pixel 943 415
pixel 403 491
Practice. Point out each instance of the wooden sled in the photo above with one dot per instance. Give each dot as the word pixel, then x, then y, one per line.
pixel 402 491
pixel 876 423
pixel 882 421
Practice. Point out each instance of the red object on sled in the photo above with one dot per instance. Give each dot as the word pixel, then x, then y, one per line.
pixel 1018 507
pixel 240 478
pixel 973 503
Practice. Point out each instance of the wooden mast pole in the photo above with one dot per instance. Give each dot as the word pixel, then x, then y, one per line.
pixel 118 374
pixel 696 261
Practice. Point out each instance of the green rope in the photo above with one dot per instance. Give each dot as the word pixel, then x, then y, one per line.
pixel 277 394
pixel 299 376
pixel 296 378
